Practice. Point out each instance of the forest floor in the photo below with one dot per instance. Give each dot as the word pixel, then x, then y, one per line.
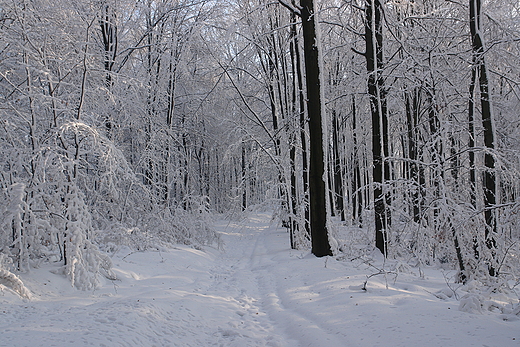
pixel 252 291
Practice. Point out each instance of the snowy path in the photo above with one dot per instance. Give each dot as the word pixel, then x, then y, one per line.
pixel 263 246
pixel 255 292
pixel 251 270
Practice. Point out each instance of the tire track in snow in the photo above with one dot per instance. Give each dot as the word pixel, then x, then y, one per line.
pixel 297 327
pixel 232 275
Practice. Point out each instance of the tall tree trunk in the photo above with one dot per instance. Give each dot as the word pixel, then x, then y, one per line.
pixel 303 135
pixel 377 94
pixel 436 173
pixel 294 196
pixel 338 169
pixel 317 170
pixel 479 73
pixel 244 178
pixel 108 27
pixel 295 94
pixel 357 184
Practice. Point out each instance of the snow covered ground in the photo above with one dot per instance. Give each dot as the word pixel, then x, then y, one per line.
pixel 254 291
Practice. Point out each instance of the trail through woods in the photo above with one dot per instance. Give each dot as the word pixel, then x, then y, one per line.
pixel 254 291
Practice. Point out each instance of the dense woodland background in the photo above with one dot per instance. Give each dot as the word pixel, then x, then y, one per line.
pixel 131 122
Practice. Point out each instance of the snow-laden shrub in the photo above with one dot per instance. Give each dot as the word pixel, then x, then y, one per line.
pixel 10 280
pixel 471 303
pixel 493 296
pixel 79 198
pixel 13 239
pixel 83 261
pixel 27 239
pixel 164 228
pixel 45 217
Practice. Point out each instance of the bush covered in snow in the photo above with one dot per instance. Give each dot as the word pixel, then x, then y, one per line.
pixel 81 200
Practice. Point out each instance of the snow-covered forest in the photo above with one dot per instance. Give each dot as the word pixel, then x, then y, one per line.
pixel 366 126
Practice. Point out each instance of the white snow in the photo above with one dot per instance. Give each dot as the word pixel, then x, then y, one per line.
pixel 253 292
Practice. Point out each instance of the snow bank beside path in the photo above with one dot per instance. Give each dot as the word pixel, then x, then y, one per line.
pixel 254 292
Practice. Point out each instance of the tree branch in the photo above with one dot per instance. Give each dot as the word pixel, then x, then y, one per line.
pixel 358 52
pixel 295 10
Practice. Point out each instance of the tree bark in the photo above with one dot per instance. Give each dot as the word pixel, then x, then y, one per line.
pixel 338 169
pixel 377 94
pixel 357 184
pixel 479 73
pixel 109 35
pixel 317 168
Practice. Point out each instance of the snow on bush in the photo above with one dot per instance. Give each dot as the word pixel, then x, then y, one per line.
pixel 14 240
pixel 82 200
pixel 10 280
pixel 188 224
pixel 495 296
pixel 83 261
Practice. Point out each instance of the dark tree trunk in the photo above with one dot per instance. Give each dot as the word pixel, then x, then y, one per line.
pixel 294 225
pixel 338 169
pixel 357 184
pixel 471 152
pixel 437 148
pixel 479 74
pixel 244 178
pixel 317 172
pixel 471 142
pixel 377 94
pixel 109 35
